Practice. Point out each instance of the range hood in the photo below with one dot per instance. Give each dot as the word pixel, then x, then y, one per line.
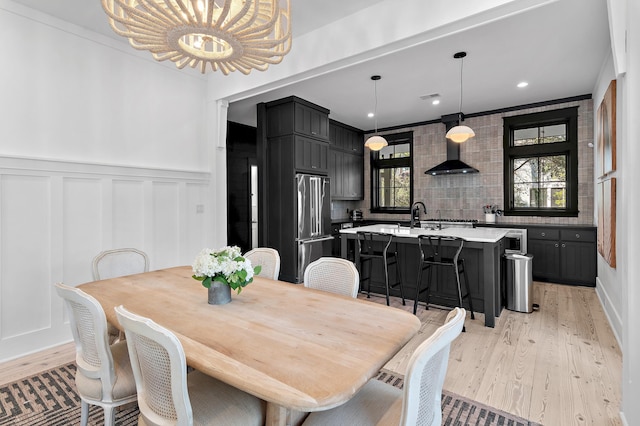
pixel 453 165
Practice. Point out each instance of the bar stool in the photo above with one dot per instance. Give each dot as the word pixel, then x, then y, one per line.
pixel 369 244
pixel 431 256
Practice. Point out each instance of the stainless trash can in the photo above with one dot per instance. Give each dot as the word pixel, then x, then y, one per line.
pixel 519 282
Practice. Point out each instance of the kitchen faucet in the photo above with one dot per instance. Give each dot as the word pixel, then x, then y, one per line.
pixel 439 219
pixel 416 207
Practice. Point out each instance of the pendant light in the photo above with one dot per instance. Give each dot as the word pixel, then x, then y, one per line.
pixel 376 142
pixel 460 133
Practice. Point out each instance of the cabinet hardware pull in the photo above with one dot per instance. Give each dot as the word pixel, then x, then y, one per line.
pixel 543 234
pixel 577 235
pixel 556 244
pixel 564 245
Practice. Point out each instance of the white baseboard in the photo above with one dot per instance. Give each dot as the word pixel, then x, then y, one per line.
pixel 615 321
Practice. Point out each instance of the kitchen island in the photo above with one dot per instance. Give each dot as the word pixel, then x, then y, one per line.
pixel 483 249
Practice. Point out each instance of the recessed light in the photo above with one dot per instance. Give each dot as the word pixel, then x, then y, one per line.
pixel 435 102
pixel 523 84
pixel 370 115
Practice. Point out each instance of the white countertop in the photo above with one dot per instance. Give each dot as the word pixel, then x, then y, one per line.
pixel 479 235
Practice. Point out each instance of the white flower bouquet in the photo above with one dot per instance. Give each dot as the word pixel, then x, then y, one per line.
pixel 225 265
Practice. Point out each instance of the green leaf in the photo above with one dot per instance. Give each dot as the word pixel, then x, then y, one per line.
pixel 195 277
pixel 220 279
pixel 206 282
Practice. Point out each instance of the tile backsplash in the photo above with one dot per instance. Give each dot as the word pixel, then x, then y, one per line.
pixel 462 196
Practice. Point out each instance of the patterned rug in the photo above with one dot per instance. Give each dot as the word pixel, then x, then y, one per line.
pixel 50 399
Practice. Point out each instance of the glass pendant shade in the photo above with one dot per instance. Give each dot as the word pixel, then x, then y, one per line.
pixel 460 134
pixel 376 143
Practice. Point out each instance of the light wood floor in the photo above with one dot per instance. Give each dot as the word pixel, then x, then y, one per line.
pixel 560 365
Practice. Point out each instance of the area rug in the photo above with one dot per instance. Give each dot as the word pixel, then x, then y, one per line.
pixel 50 399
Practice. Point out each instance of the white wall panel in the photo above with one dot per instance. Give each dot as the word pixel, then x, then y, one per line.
pixel 128 214
pixel 196 215
pixel 55 216
pixel 82 228
pixel 25 255
pixel 166 219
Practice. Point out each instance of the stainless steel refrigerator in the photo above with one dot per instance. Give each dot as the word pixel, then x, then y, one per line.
pixel 313 212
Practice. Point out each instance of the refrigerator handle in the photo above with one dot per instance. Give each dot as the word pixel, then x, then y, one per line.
pixel 314 206
pixel 319 207
pixel 316 240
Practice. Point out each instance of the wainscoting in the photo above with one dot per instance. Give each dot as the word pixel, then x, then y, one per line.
pixel 55 216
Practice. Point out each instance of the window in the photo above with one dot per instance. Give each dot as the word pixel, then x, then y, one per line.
pixel 392 175
pixel 541 163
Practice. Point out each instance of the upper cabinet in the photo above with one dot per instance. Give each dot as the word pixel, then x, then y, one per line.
pixel 295 115
pixel 346 162
pixel 345 138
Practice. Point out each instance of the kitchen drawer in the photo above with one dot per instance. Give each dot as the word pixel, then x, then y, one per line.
pixel 543 234
pixel 577 235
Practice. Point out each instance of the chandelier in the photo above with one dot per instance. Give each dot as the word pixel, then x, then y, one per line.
pixel 227 35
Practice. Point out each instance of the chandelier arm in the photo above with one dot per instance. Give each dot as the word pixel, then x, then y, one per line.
pixel 145 19
pixel 269 43
pixel 169 15
pixel 222 25
pixel 274 14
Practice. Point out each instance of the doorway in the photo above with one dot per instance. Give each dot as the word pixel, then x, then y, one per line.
pixel 254 205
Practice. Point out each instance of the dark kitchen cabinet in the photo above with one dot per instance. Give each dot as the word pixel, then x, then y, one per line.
pixel 346 162
pixel 311 155
pixel 293 137
pixel 346 138
pixel 311 121
pixel 336 173
pixel 353 177
pixel 295 115
pixel 564 255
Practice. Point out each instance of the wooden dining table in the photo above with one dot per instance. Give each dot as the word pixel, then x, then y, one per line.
pixel 298 349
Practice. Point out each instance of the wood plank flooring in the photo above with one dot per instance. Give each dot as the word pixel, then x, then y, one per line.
pixel 560 365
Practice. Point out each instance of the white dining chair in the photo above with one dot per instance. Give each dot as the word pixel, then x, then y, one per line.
pixel 266 257
pixel 167 395
pixel 333 274
pixel 104 376
pixel 119 262
pixel 379 403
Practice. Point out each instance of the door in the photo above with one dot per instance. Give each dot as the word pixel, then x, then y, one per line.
pixel 311 250
pixel 314 206
pixel 254 205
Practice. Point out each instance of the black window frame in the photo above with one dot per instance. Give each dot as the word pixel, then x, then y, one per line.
pixel 376 163
pixel 568 116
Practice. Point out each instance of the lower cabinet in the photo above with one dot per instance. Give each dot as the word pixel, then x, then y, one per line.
pixel 563 255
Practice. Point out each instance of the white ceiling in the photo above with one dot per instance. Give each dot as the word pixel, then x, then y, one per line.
pixel 558 48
